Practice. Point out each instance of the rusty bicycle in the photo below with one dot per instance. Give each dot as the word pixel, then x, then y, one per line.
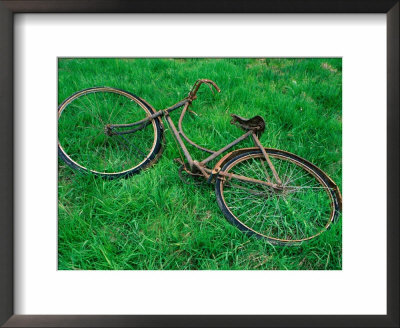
pixel 266 192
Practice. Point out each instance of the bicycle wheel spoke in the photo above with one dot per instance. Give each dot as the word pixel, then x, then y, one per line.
pixel 83 133
pixel 93 108
pixel 131 143
pixel 112 112
pixel 298 211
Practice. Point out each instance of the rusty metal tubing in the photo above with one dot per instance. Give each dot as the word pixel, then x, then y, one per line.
pixel 202 169
pixel 179 139
pixel 149 118
pixel 191 97
pixel 196 86
pixel 181 103
pixel 258 143
pixel 132 130
pixel 184 135
pixel 233 143
pixel 243 178
pixel 185 102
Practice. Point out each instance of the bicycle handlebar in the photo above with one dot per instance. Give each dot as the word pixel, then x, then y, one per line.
pixel 196 86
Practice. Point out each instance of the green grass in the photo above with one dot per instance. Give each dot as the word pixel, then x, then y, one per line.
pixel 153 220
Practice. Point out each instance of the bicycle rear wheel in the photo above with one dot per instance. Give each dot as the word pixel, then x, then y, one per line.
pixel 307 205
pixel 85 145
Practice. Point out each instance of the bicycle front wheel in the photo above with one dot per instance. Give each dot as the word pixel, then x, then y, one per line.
pixel 85 144
pixel 306 206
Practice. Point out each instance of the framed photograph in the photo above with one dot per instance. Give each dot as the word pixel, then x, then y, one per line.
pixel 202 165
pixel 112 133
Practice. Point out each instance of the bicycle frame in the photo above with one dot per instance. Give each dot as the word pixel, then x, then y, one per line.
pixel 180 135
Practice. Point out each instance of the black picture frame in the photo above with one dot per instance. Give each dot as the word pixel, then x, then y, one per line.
pixel 7 11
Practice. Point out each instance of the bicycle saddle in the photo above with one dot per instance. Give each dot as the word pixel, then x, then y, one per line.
pixel 256 123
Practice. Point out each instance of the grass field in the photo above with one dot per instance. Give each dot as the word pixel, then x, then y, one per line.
pixel 153 221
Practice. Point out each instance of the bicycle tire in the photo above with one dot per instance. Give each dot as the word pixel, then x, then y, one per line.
pixel 122 97
pixel 266 196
